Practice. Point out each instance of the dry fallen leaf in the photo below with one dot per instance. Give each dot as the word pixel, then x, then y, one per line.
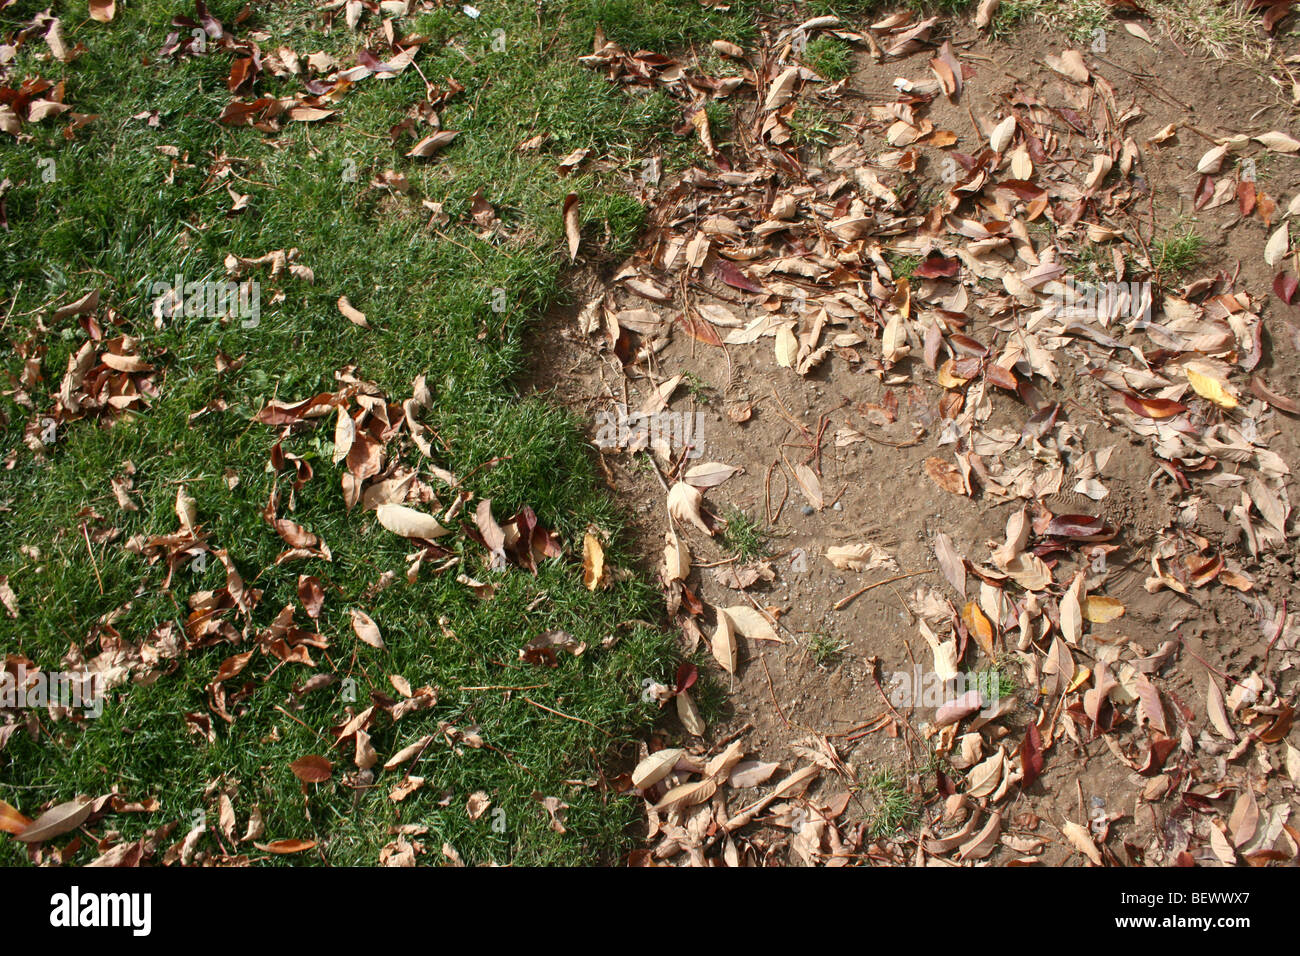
pixel 352 314
pixel 572 226
pixel 860 557
pixel 366 629
pixel 684 504
pixel 409 523
pixel 752 624
pixel 723 642
pixel 655 767
pixel 593 562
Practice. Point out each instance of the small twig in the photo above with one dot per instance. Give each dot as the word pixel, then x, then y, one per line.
pixel 845 602
pixel 551 710
pixel 86 535
pixel 772 690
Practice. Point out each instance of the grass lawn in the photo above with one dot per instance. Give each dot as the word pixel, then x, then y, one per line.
pixel 131 203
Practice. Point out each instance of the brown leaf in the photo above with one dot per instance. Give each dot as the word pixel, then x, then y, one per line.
pixel 56 821
pixel 366 629
pixel 572 225
pixel 946 475
pixel 312 769
pixel 311 594
pixel 593 562
pixel 432 143
pixel 11 821
pixel 352 314
pixel 284 847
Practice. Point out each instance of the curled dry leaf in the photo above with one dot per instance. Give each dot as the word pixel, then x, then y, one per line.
pixel 684 504
pixel 353 315
pixel 432 143
pixel 1278 245
pixel 689 715
pixel 593 562
pixel 56 821
pixel 1000 138
pixel 572 224
pixel 860 557
pixel 677 558
pixel 1082 841
pixel 408 752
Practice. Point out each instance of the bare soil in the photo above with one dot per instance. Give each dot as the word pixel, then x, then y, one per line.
pixel 877 491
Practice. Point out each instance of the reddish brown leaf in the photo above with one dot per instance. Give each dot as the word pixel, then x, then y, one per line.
pixel 312 769
pixel 1031 756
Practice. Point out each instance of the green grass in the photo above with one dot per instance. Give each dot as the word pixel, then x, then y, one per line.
pixel 744 535
pixel 120 215
pixel 1177 252
pixel 889 805
pixel 826 649
pixel 993 683
pixel 811 126
pixel 829 57
pixel 901 266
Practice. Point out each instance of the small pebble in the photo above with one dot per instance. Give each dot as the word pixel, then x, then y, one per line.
pixel 807 509
pixel 838 506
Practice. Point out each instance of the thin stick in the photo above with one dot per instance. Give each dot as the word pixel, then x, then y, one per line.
pixel 772 690
pixel 844 602
pixel 91 551
pixel 565 716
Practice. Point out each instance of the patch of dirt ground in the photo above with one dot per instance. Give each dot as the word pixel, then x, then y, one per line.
pixel 959 422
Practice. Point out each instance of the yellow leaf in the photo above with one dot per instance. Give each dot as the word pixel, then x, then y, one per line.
pixel 593 562
pixel 1098 609
pixel 1212 389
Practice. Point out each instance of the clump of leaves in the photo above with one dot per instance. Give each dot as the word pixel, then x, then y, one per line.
pixel 828 57
pixel 744 535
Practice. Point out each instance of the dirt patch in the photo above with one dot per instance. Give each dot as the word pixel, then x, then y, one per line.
pixel 904 451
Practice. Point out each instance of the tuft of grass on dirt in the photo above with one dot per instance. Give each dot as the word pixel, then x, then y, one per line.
pixel 826 649
pixel 890 806
pixel 132 203
pixel 829 57
pixel 1221 28
pixel 1177 252
pixel 744 535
